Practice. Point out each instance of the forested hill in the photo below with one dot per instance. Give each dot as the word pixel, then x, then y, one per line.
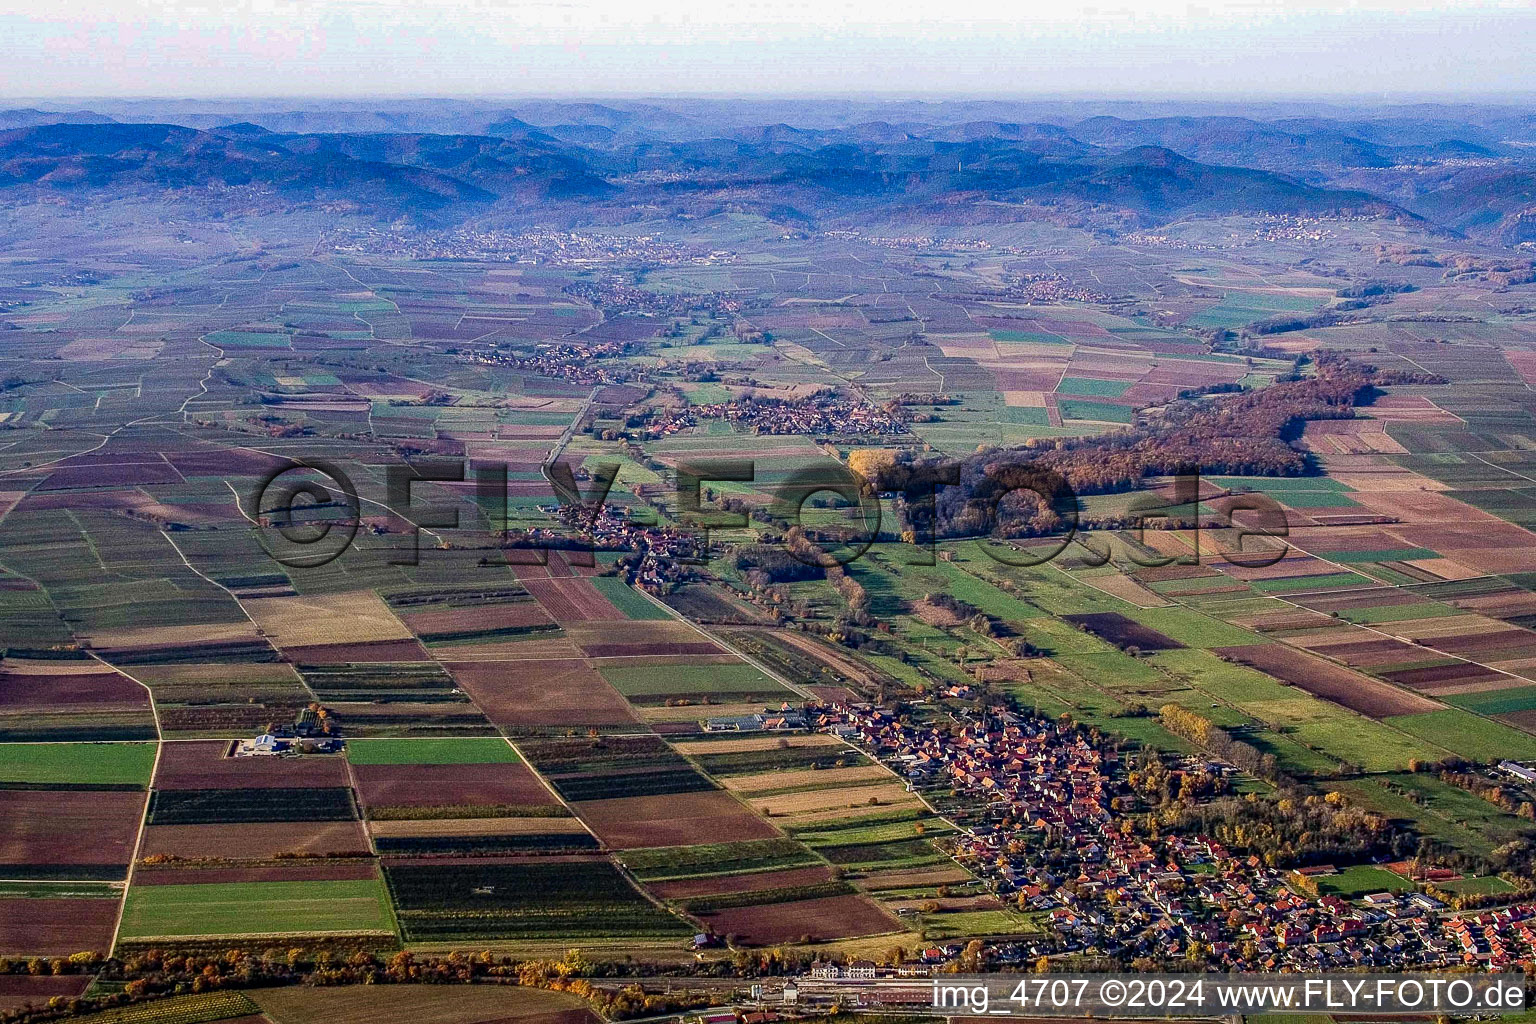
pixel 806 179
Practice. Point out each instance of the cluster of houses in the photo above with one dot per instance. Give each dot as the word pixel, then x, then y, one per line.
pixel 540 247
pixel 1050 288
pixel 666 555
pixel 1052 841
pixel 821 415
pixel 575 361
pixel 1498 937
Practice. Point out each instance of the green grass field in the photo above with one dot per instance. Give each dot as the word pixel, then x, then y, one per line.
pixel 1484 885
pixel 1317 499
pixel 1297 492
pixel 627 600
pixel 1145 732
pixel 1296 720
pixel 1224 680
pixel 1292 756
pixel 1358 740
pixel 101 764
pixel 957 580
pixel 706 393
pixel 1237 309
pixel 1194 629
pixel 1399 612
pixel 1105 412
pixel 256 908
pixel 1116 671
pixel 249 339
pixel 1030 415
pixel 1468 735
pixel 435 750
pixel 880 832
pixel 1093 387
pixel 970 923
pixel 1495 702
pixel 1325 581
pixel 1279 484
pixel 1361 880
pixel 1382 555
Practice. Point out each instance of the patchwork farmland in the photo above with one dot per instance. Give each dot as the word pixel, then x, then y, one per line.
pixel 513 719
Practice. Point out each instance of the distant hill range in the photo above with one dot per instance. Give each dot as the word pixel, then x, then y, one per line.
pixel 1469 170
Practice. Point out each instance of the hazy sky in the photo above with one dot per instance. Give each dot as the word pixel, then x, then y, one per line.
pixel 222 48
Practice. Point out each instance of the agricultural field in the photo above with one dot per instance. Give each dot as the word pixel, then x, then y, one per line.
pixel 644 684
pixel 960 923
pixel 209 806
pixel 817 919
pixel 664 864
pixel 420 1004
pixel 636 822
pixel 493 836
pixel 100 764
pixel 331 620
pixel 479 902
pixel 56 922
pixel 70 700
pixel 896 842
pixel 630 603
pixel 1468 735
pixel 430 783
pixel 545 693
pixel 16 991
pixel 187 1009
pixel 771 783
pixel 608 769
pixel 222 699
pixel 430 751
pixel 873 797
pixel 263 841
pixel 265 909
pixel 801 659
pixel 208 765
pixel 227 806
pixel 1441 811
pixel 69 833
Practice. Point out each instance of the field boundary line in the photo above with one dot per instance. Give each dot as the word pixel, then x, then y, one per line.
pixel 149 796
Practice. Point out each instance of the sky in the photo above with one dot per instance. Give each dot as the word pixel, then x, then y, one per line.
pixel 909 48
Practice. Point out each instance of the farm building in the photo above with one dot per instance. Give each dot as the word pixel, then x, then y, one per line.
pixel 781 722
pixel 265 745
pixel 1519 771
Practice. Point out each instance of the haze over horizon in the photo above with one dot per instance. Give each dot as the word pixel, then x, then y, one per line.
pixel 384 48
